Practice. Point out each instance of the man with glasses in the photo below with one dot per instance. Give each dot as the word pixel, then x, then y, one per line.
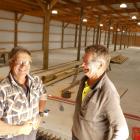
pixel 98 114
pixel 22 99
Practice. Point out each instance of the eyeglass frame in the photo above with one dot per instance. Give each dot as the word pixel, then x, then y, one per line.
pixel 23 63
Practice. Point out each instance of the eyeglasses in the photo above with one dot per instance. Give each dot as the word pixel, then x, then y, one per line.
pixel 90 62
pixel 23 63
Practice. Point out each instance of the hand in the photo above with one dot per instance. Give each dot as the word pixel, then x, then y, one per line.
pixel 36 123
pixel 26 128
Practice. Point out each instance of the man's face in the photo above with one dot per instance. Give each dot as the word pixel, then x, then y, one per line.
pixel 90 66
pixel 21 65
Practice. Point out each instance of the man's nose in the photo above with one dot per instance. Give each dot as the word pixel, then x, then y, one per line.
pixel 83 64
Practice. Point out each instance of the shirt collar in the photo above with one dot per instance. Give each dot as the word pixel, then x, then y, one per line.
pixel 12 80
pixel 98 84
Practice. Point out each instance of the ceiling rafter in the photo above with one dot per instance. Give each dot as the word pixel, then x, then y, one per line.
pixel 43 7
pixel 53 3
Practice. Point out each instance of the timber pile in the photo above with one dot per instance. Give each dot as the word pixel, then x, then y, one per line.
pixel 58 73
pixel 57 76
pixel 119 59
pixel 43 134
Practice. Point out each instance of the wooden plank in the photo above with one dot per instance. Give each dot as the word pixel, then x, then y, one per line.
pixel 58 70
pixel 52 76
pixel 119 59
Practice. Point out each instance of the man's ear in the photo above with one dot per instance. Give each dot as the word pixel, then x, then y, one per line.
pixel 11 64
pixel 101 64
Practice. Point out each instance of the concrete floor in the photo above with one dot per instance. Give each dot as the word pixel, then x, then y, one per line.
pixel 125 77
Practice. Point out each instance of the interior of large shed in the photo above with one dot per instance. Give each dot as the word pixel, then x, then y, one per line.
pixel 56 33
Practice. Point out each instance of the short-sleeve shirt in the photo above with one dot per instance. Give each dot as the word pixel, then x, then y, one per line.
pixel 15 107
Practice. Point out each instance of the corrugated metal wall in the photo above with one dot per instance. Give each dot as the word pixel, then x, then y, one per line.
pixel 30 33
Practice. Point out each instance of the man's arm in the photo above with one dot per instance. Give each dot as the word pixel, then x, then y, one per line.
pixel 42 102
pixel 116 118
pixel 42 106
pixel 6 129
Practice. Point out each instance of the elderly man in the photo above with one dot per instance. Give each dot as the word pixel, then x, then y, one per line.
pixel 98 114
pixel 22 97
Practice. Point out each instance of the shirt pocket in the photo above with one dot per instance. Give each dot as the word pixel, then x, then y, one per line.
pixel 91 111
pixel 34 98
pixel 15 101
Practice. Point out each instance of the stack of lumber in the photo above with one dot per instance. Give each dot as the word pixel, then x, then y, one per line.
pixel 119 59
pixel 44 135
pixel 59 73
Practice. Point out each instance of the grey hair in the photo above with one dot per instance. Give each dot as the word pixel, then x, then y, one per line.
pixel 16 50
pixel 99 51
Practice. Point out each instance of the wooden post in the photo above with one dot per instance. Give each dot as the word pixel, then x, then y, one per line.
pixel 86 36
pixel 116 36
pixel 62 35
pixel 98 29
pixel 105 38
pixel 133 39
pixel 47 13
pixel 46 38
pixel 80 33
pixel 100 36
pixel 128 41
pixel 94 31
pixel 135 36
pixel 16 30
pixel 43 33
pixel 108 37
pixel 125 37
pixel 121 38
pixel 75 41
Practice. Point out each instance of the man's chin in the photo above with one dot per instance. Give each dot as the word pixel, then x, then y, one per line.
pixel 23 73
pixel 86 74
pixel 85 71
pixel 89 75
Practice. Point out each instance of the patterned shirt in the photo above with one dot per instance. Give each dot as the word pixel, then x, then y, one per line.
pixel 15 107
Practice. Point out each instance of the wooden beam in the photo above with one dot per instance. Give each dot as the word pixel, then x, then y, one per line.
pixel 80 33
pixel 62 35
pixel 46 40
pixel 72 3
pixel 128 39
pixel 108 2
pixel 86 36
pixel 116 36
pixel 43 7
pixel 53 3
pixel 108 37
pixel 75 41
pixel 65 26
pixel 121 37
pixel 100 36
pixel 125 37
pixel 94 32
pixel 98 30
pixel 16 30
pixel 105 38
pixel 20 17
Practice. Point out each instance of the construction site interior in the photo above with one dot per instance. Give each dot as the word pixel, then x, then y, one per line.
pixel 56 33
